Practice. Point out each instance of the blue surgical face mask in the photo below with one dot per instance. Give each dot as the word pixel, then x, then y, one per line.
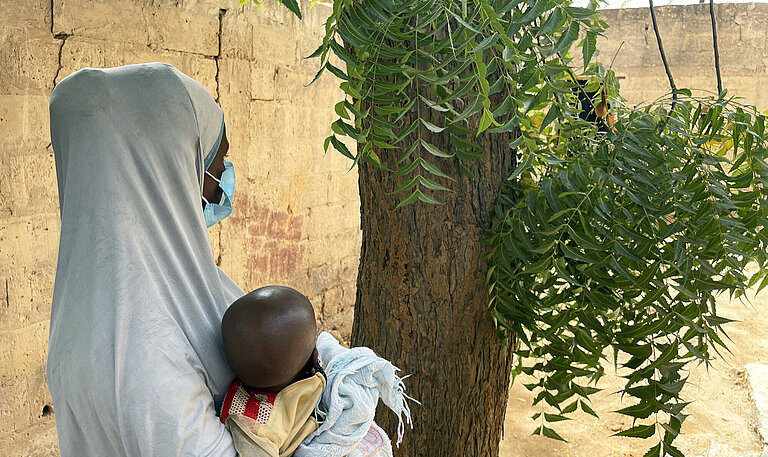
pixel 216 212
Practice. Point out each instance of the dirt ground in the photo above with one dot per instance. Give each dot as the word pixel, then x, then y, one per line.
pixel 722 418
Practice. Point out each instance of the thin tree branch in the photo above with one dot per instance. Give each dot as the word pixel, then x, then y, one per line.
pixel 661 51
pixel 714 43
pixel 666 68
pixel 616 54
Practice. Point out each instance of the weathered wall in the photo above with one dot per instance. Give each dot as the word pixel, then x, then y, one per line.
pixel 296 218
pixel 687 37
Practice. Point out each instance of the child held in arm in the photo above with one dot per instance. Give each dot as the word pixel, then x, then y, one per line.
pixel 270 341
pixel 279 404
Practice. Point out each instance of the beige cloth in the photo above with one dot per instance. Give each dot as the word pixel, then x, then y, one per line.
pixel 290 420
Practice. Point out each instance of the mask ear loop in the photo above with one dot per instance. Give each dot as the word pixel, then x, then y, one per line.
pixel 215 179
pixel 207 160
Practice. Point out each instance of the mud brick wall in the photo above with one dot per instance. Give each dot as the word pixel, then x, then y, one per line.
pixel 296 219
pixel 296 216
pixel 687 37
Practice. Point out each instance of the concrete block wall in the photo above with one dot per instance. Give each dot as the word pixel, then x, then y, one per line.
pixel 687 37
pixel 296 210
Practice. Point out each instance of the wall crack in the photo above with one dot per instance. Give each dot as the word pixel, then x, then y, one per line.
pixel 63 37
pixel 7 295
pixel 57 36
pixel 216 58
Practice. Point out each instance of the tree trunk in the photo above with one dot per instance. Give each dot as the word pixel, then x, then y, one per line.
pixel 422 302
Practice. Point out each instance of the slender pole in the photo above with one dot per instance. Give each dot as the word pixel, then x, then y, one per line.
pixel 666 67
pixel 661 51
pixel 714 43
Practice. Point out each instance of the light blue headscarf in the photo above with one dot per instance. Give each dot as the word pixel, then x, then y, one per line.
pixel 136 362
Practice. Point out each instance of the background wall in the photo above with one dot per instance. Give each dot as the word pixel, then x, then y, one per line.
pixel 296 211
pixel 296 219
pixel 687 37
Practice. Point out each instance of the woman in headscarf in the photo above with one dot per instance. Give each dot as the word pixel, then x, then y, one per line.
pixel 135 362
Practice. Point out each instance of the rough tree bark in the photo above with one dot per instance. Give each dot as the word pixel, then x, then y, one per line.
pixel 422 301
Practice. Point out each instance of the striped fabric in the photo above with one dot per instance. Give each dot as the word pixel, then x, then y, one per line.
pixel 256 405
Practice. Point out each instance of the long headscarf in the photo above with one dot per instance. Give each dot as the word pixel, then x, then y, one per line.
pixel 135 359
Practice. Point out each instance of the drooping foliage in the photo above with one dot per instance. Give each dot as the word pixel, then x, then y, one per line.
pixel 477 66
pixel 617 230
pixel 616 246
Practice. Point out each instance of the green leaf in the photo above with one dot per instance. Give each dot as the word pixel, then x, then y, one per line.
pixel 371 157
pixel 563 273
pixel 555 417
pixel 655 451
pixel 587 409
pixel 672 451
pixel 341 74
pixel 560 214
pixel 522 167
pixel 293 6
pixel 487 43
pixel 434 170
pixel 581 239
pixel 427 199
pixel 550 433
pixel 640 431
pixel 326 142
pixel 509 126
pixel 574 254
pixel 588 47
pixel 408 185
pixel 342 128
pixel 417 195
pixel 433 105
pixel 341 110
pixel 341 147
pixel 541 96
pixel 431 184
pixel 580 13
pixel 566 38
pixel 570 408
pixel 486 120
pixel 555 20
pixel 639 411
pixel 317 75
pixel 317 52
pixel 413 198
pixel 552 114
pixel 534 11
pixel 434 150
pixel 461 21
pixel 431 127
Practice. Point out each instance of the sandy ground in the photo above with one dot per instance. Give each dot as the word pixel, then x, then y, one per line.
pixel 722 418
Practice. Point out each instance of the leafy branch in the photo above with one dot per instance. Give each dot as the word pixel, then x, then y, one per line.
pixel 624 245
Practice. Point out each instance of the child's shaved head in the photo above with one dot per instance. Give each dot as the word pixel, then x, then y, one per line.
pixel 269 336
